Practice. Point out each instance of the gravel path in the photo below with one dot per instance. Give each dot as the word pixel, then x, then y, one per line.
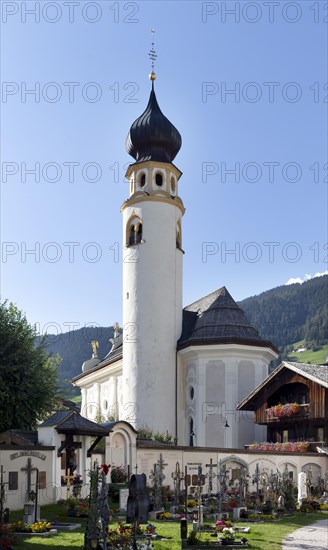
pixel 312 536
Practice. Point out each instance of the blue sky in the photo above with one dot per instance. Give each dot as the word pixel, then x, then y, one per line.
pixel 253 160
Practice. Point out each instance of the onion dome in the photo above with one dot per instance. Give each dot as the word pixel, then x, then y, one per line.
pixel 152 136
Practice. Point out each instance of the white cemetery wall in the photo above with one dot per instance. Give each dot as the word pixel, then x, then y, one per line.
pixel 16 462
pixel 191 457
pixel 121 446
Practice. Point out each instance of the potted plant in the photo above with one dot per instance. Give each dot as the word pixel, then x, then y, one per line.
pixel 228 536
pixel 77 484
pixel 72 504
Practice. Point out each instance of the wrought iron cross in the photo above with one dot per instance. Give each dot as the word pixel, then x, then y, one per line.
pixel 210 475
pixel 28 469
pixel 177 477
pixel 161 466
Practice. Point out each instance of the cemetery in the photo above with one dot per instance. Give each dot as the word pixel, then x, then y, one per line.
pixel 218 504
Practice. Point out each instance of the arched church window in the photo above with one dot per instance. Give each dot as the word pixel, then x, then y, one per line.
pixel 192 392
pixel 139 233
pixel 159 179
pixel 173 186
pixel 191 432
pixel 131 234
pixel 178 236
pixel 134 232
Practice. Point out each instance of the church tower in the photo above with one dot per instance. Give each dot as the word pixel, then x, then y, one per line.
pixel 152 272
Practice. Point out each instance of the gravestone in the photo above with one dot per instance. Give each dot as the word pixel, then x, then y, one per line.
pixel 124 493
pixel 302 487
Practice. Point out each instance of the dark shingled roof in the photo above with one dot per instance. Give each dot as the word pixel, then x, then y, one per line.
pixel 317 373
pixel 78 425
pixel 55 418
pixel 71 422
pixel 217 319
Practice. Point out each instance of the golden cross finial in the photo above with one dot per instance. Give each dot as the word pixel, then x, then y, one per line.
pixel 152 54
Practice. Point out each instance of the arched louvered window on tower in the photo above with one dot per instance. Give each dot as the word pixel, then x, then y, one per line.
pixel 178 236
pixel 191 432
pixel 134 231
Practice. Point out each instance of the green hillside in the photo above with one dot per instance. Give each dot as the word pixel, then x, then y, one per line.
pixel 292 313
pixel 74 348
pixel 317 355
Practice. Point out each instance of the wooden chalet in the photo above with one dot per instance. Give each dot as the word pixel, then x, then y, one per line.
pixel 298 383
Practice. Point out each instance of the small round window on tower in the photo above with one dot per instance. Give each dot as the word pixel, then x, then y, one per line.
pixel 159 180
pixel 143 180
pixel 173 187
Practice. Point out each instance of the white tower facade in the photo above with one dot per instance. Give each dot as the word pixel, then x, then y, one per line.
pixel 152 273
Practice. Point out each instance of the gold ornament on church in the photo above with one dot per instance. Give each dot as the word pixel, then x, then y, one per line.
pixel 95 345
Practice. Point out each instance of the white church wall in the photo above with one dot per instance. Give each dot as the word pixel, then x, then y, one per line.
pixel 46 435
pixel 182 390
pixel 149 281
pixel 213 409
pixel 223 375
pixel 101 392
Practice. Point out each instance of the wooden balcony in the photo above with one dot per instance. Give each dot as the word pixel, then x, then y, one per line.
pixel 305 412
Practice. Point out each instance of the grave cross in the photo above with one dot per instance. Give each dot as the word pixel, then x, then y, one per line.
pixel 28 469
pixel 177 478
pixel 69 481
pixel 210 475
pixel 158 477
pixel 161 465
pixel 154 476
pixel 222 476
pixel 2 494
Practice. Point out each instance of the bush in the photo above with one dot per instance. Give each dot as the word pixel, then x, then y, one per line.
pixel 118 474
pixel 148 433
pixel 324 507
pixel 193 539
pixel 192 504
pixel 306 508
pixel 166 516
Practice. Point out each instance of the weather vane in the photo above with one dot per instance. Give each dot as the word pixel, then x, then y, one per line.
pixel 153 56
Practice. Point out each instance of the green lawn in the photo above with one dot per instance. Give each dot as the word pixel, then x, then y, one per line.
pixel 263 536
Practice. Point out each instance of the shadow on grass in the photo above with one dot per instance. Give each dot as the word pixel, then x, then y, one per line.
pixel 70 540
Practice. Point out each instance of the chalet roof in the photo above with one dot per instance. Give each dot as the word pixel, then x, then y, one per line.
pixel 316 373
pixel 217 319
pixel 71 422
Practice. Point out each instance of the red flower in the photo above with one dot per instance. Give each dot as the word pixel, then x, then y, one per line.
pixel 105 469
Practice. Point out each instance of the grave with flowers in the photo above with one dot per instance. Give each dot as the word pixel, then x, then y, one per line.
pixel 224 533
